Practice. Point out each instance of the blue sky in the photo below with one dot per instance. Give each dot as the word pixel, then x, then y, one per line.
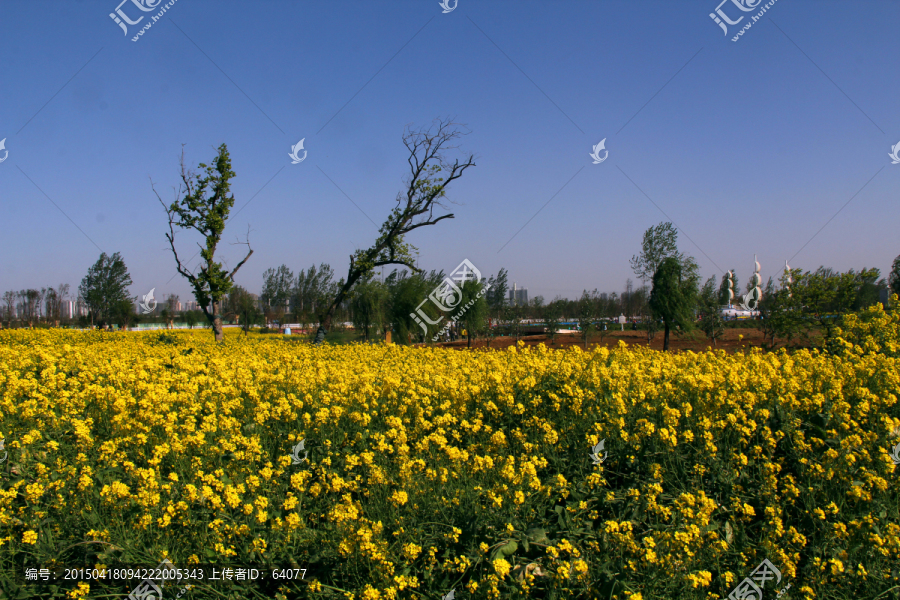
pixel 750 147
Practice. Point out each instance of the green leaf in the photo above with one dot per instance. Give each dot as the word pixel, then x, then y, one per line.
pixel 508 549
pixel 538 535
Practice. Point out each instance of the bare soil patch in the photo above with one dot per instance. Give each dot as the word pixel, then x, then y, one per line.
pixel 734 340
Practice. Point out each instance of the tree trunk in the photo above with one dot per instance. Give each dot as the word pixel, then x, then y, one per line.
pixel 324 326
pixel 215 319
pixel 666 340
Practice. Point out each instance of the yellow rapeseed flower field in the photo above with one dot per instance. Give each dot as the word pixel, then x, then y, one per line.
pixel 427 470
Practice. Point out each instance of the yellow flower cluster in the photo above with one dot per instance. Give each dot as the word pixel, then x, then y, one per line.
pixel 424 468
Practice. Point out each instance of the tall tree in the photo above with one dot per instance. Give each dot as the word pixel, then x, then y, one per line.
pixel 660 242
pixel 513 314
pixel 430 174
pixel 368 305
pixel 105 288
pixel 894 276
pixel 496 294
pixel 476 308
pixel 242 307
pixel 9 307
pixel 406 292
pixel 314 288
pixel 587 312
pixel 669 299
pixel 278 285
pixel 711 322
pixel 552 316
pixel 55 300
pixel 826 294
pixel 190 317
pixel 29 308
pixel 170 311
pixel 204 206
pixel 780 310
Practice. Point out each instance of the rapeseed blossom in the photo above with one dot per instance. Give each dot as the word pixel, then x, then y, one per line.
pixel 427 467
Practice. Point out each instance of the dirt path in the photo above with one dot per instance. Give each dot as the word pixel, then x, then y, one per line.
pixel 730 342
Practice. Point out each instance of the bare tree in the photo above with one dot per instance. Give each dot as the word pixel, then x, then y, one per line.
pixel 430 174
pixel 54 303
pixel 30 303
pixel 9 307
pixel 168 313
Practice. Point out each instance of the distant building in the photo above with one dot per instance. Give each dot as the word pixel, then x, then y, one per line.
pixel 517 296
pixel 67 309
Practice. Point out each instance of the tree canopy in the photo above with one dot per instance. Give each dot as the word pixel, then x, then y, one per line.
pixel 104 289
pixel 205 206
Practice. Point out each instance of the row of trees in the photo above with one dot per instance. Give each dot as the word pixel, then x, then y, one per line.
pixel 799 302
pixel 31 306
pixel 203 201
pixel 102 298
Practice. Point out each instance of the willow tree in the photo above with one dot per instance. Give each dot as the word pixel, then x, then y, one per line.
pixel 430 174
pixel 204 206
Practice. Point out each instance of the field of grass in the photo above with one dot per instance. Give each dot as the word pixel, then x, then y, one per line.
pixel 426 470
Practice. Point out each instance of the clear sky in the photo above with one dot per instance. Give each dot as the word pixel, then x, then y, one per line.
pixel 750 147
